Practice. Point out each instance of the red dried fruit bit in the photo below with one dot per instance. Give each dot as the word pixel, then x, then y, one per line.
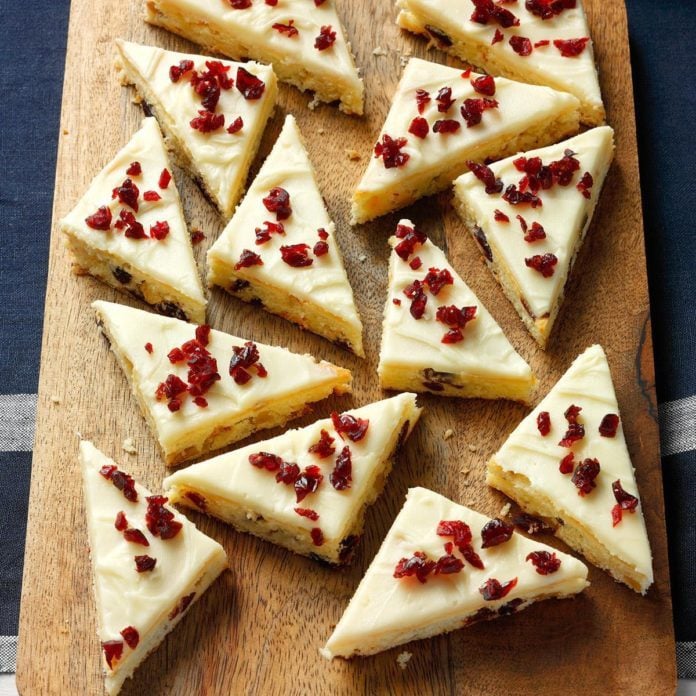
pixel 135 536
pixel 564 168
pixel 322 234
pixel 288 473
pixel 318 3
pixel 449 547
pixel 500 216
pixel 535 233
pixel 325 39
pixel 530 524
pixel 487 10
pixel 296 255
pixel 307 482
pixel 341 476
pixel 446 125
pixel 145 564
pixel 570 48
pixel 306 512
pixel 545 562
pixel 349 426
pixel 609 425
pixel 396 301
pixel 121 522
pixel 127 193
pixel 176 71
pixel 278 201
pixel 585 474
pixel 484 84
pixel 415 263
pixel 131 636
pixel 265 460
pixel 471 557
pixel 247 259
pixel 197 236
pixel 419 127
pixel 546 9
pixel 244 357
pixel 544 422
pixel 164 179
pixel 515 197
pixel 176 355
pixel 418 298
pixel 263 234
pixel 134 169
pixel 317 536
pixel 497 37
pixel 472 109
pixel 458 530
pixel 540 44
pixel 171 389
pixel 151 196
pixel 576 431
pixel 493 590
pixel 418 565
pixel 410 237
pixel 456 319
pixel 567 463
pixel 543 264
pixel 197 499
pixel 207 122
pixel 323 448
pixel 200 402
pixel 122 481
pixel 159 230
pixel 521 45
pixel 181 606
pixel 390 152
pixel 249 85
pixel 585 185
pixel 203 334
pixel 496 532
pixel 113 649
pixel 236 125
pixel 437 278
pixel 448 565
pixel 101 220
pixel 288 29
pixel 422 99
pixel 320 249
pixel 623 498
pixel 486 176
pixel 133 229
pixel 240 4
pixel 159 520
pixel 444 99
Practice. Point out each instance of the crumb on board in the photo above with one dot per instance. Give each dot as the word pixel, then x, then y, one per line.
pixel 55 399
pixel 379 51
pixel 362 258
pixel 465 471
pixel 321 131
pixel 313 104
pixel 66 131
pixel 447 434
pixel 505 510
pixel 472 448
pixel 128 445
pixel 403 60
pixel 403 658
pixel 353 155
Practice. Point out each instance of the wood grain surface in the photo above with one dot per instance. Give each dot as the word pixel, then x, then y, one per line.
pixel 258 629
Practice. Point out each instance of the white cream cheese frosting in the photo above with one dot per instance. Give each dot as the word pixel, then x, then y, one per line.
pixel 386 611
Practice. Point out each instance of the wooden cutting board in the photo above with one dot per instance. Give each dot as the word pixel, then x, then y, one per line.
pixel 258 629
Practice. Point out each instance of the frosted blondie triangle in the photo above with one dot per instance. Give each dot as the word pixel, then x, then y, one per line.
pixel 443 566
pixel 540 42
pixel 128 229
pixel 281 248
pixel 568 463
pixel 149 563
pixel 308 489
pixel 530 213
pixel 201 389
pixel 212 112
pixel 303 40
pixel 440 118
pixel 437 336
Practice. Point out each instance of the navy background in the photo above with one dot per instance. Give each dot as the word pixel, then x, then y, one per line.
pixel 32 50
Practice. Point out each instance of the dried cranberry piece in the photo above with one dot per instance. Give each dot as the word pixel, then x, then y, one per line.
pixel 422 100
pixel 625 500
pixel 325 39
pixel 151 196
pixel 521 45
pixel 127 193
pixel 410 237
pixel 200 402
pixel 497 37
pixel 288 29
pixel 415 263
pixel 145 564
pixel 121 480
pixel 113 649
pixel 484 84
pixel 306 512
pixel 159 520
pixel 390 151
pixel 159 230
pixel 437 278
pixel 249 85
pixel 564 168
pixel 288 473
pixel 487 10
pixel 471 557
pixel 101 220
pixel 546 9
pixel 307 482
pixel 320 249
pixel 585 474
pixel 567 463
pixel 544 264
pixel 544 423
pixel 396 301
pixel 121 522
pixel 486 176
pixel 176 71
pixel 418 565
pixel 317 536
pixel 350 427
pixel 207 122
pixel 265 460
pixel 134 169
pixel 235 126
pixel 529 524
pixel 419 127
pixel 170 389
pixel 133 229
pixel 570 48
pixel 472 109
pixel 448 565
pixel 247 259
pixel 496 532
pixel 203 334
pixel 296 255
pixel 535 233
pixel 456 319
pixel 243 358
pixel 609 425
pixel 164 179
pixel 458 530
pixel 575 431
pixel 278 201
pixel 341 476
pixel 444 99
pixel 493 589
pixel 418 298
pixel 446 125
pixel 263 234
pixel 240 4
pixel 131 636
pixel 500 216
pixel 135 536
pixel 197 499
pixel 585 185
pixel 545 562
pixel 516 197
pixel 323 448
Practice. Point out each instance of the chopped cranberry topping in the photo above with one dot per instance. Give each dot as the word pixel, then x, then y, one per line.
pixel 472 109
pixel 263 234
pixel 165 178
pixel 171 389
pixel 243 358
pixel 546 9
pixel 444 100
pixel 456 319
pixel 418 565
pixel 570 48
pixel 159 230
pixel 121 522
pixel 422 100
pixel 544 423
pixel 418 298
pixel 265 460
pixel 278 201
pixel 521 45
pixel 545 562
pixel 487 10
pixel 145 564
pixel 567 463
pixel 207 121
pixel 240 4
pixel 349 426
pixel 113 649
pixel 516 197
pixel 288 473
pixel 609 425
pixel 486 176
pixel 151 196
pixel 197 236
pixel 493 590
pixel 419 127
pixel 585 185
pixel 200 402
pixel 306 512
pixel 135 536
pixel 410 237
pixel 540 44
pixel 544 264
pixel 624 501
pixel 484 84
pixel 176 71
pixel 448 565
pixel 288 29
pixel 247 259
pixel 390 151
pixel 585 474
pixel 320 249
pixel 323 448
pixel 576 431
pixel 437 278
pixel 461 534
pixel 127 193
pixel 500 216
pixel 121 480
pixel 197 499
pixel 528 523
pixel 317 536
pixel 497 37
pixel 496 532
pixel 322 234
pixel 235 126
pixel 249 85
pixel 341 476
pixel 159 520
pixel 307 482
pixel 134 169
pixel 446 125
pixel 325 39
pixel 101 220
pixel 564 168
pixel 296 255
pixel 132 228
pixel 535 233
pixel 131 636
pixel 415 263
pixel 471 557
